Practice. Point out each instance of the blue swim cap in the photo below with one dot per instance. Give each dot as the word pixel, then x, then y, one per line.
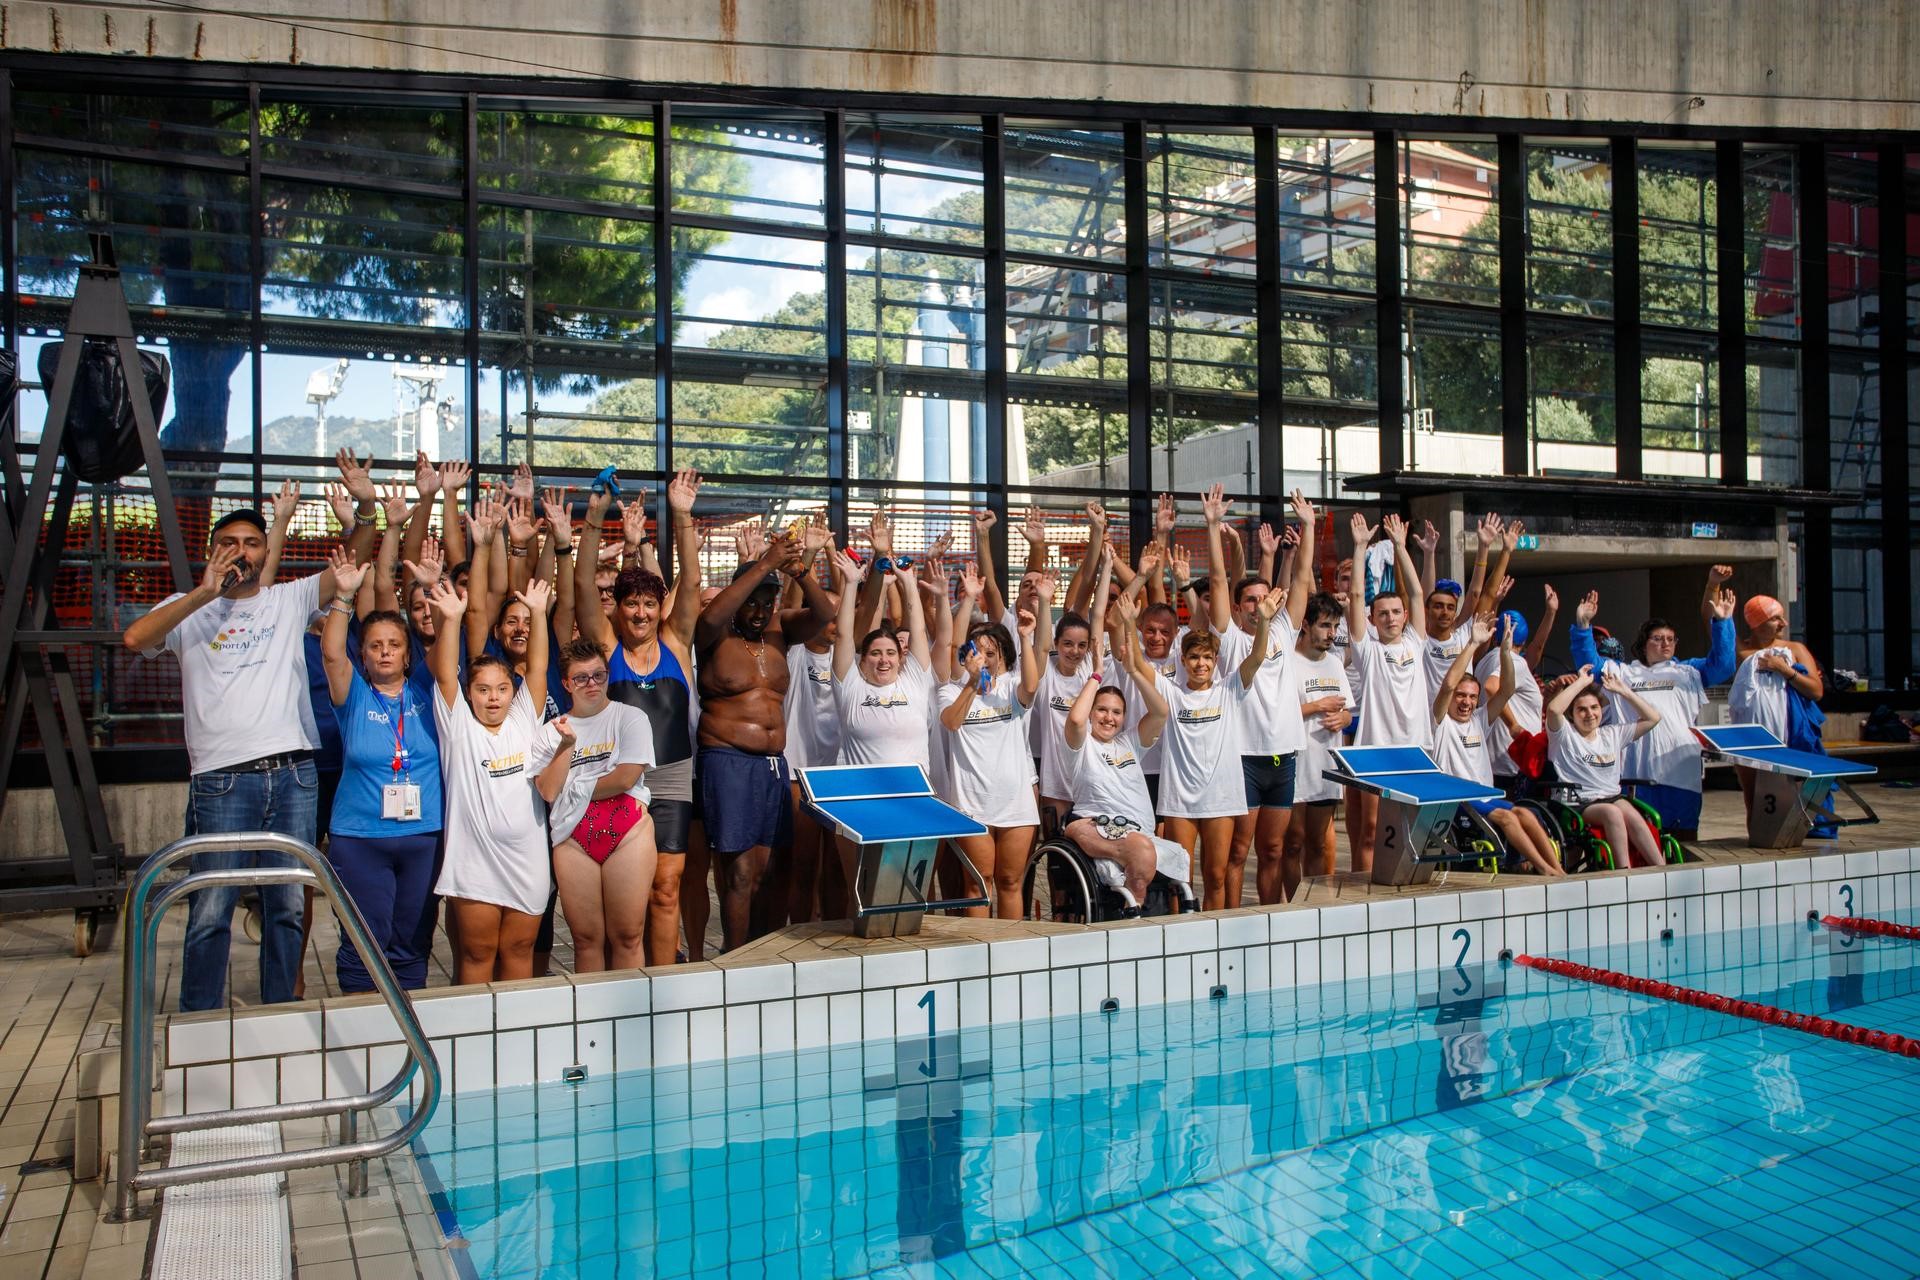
pixel 1448 586
pixel 1519 627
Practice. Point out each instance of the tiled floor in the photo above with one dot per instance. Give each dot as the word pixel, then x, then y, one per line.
pixel 50 1228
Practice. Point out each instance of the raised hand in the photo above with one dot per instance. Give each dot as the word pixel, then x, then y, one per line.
pixel 1034 527
pixel 537 596
pixel 1489 531
pixel 426 477
pixel 1583 677
pixel 782 552
pixel 348 572
pixel 221 563
pixel 1553 597
pixel 1500 592
pixel 355 476
pixel 553 505
pixel 1290 536
pixel 852 572
pixel 598 504
pixel 563 727
pixel 1506 631
pixel 1588 609
pixel 340 502
pixel 1718 573
pixel 1362 532
pixel 1096 521
pixel 1182 564
pixel 817 535
pixel 1269 540
pixel 1396 529
pixel 1511 534
pixel 449 603
pixel 454 474
pixel 1165 517
pixel 749 542
pixel 1047 583
pixel 1428 539
pixel 973 662
pixel 1612 682
pixel 520 524
pixel 285 502
pixel 1214 505
pixel 393 502
pixel 1027 622
pixel 522 486
pixel 880 535
pixel 972 585
pixel 1150 556
pixel 1303 510
pixel 633 525
pixel 1271 603
pixel 1723 603
pixel 1482 628
pixel 1127 605
pixel 428 568
pixel 983 522
pixel 683 489
pixel 485 517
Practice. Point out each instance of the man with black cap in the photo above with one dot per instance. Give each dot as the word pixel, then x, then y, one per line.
pixel 249 730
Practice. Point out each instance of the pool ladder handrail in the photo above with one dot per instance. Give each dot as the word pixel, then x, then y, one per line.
pixel 141 933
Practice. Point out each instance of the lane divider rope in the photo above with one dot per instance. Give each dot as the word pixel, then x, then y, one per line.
pixel 1866 926
pixel 1771 1015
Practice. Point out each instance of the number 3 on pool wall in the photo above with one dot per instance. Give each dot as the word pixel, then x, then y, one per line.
pixel 1846 895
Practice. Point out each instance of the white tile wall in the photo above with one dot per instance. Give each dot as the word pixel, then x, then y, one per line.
pixel 519 1034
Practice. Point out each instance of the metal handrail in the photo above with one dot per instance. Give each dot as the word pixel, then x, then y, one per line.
pixel 145 907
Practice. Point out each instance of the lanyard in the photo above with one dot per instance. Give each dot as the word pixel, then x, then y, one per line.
pixel 397 718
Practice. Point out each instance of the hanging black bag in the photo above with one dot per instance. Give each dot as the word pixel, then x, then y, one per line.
pixel 103 441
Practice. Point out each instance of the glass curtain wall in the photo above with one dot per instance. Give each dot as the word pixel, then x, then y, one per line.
pixel 830 309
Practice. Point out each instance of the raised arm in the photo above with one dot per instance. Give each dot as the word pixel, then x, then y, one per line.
pixel 1102 583
pixel 1031 649
pixel 1462 663
pixel 1034 529
pixel 1300 582
pixel 1722 659
pixel 1220 599
pixel 682 491
pixel 1536 651
pixel 845 642
pixel 394 546
pixel 1717 578
pixel 954 714
pixel 485 519
pixel 333 633
pixel 537 596
pixel 713 623
pixel 1270 604
pixel 521 528
pixel 443 656
pixel 1497 701
pixel 1356 606
pixel 972 587
pixel 588 616
pixel 560 539
pixel 454 475
pixel 1269 553
pixel 1580 643
pixel 1080 712
pixel 1081 584
pixel 1486 595
pixel 933 607
pixel 1647 716
pixel 1428 540
pixel 991 597
pixel 282 506
pixel 1556 713
pixel 1489 537
pixel 1410 577
pixel 1236 550
pixel 916 619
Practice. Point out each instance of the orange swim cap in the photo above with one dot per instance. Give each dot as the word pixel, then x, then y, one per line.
pixel 1759 608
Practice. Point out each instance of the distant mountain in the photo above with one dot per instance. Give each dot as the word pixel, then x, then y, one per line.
pixel 294 433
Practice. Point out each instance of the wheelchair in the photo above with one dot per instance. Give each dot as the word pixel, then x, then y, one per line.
pixel 1476 834
pixel 1063 885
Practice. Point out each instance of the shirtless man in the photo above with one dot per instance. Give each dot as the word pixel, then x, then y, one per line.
pixel 740 645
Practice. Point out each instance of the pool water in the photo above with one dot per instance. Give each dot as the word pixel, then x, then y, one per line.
pixel 1495 1122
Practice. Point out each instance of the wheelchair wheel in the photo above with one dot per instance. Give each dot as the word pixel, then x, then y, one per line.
pixel 1671 850
pixel 1058 887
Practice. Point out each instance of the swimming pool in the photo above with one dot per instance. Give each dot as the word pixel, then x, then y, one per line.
pixel 1489 1120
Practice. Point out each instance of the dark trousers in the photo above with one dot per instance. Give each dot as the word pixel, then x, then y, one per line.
pixel 391 881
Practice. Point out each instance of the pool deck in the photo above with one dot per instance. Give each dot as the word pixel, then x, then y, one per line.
pixel 51 1227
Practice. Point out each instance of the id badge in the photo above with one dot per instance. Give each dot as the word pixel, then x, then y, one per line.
pixel 400 801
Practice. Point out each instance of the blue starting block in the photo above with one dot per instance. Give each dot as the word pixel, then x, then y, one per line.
pixel 1788 785
pixel 1417 804
pixel 891 816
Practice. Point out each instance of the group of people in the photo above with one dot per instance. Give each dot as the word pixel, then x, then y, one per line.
pixel 520 714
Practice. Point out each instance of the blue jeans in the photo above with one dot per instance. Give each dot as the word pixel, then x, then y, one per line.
pixel 391 880
pixel 281 800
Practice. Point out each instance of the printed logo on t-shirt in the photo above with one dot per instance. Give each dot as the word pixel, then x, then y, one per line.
pixel 1470 739
pixel 1397 657
pixel 593 754
pixel 1599 758
pixel 979 714
pixel 1198 715
pixel 1653 686
pixel 820 675
pixel 1059 703
pixel 1314 688
pixel 238 640
pixel 505 766
pixel 1120 759
pixel 886 702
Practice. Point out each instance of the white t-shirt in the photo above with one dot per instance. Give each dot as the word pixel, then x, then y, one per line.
pixel 243 675
pixel 1271 725
pixel 1200 774
pixel 1669 754
pixel 1591 766
pixel 813 725
pixel 885 724
pixel 1314 679
pixel 1109 782
pixel 1052 699
pixel 496 825
pixel 1528 707
pixel 1461 749
pixel 617 735
pixel 1396 704
pixel 1760 697
pixel 1441 653
pixel 989 774
pixel 1167 668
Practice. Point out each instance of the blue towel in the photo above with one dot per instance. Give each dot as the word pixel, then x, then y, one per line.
pixel 1804 719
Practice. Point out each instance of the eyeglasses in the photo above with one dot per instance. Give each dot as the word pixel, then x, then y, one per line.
pixel 588 681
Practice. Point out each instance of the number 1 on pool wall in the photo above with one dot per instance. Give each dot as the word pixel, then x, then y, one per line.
pixel 932 1064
